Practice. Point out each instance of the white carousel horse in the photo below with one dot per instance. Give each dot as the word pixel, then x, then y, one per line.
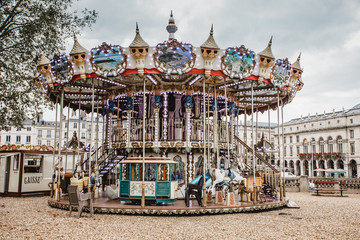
pixel 227 176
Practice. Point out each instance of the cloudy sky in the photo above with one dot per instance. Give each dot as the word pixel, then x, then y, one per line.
pixel 327 32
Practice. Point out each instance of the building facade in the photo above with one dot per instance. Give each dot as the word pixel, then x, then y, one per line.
pixel 323 145
pixel 43 132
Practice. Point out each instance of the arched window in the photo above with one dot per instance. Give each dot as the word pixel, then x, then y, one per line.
pixel 305 145
pixel 353 169
pixel 330 145
pixel 339 144
pixel 313 145
pixel 321 144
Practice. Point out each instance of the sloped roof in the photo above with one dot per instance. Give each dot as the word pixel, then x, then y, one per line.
pixel 210 42
pixel 43 60
pixel 77 48
pixel 138 40
pixel 267 51
pixel 296 64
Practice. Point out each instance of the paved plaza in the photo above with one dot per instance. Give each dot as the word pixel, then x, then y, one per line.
pixel 318 218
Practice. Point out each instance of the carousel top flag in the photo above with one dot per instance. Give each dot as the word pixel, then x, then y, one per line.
pixel 172 101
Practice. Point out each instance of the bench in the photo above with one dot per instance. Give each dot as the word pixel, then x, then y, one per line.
pixel 318 189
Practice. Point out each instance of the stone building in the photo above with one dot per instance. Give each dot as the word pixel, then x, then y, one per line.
pixel 323 145
pixel 43 132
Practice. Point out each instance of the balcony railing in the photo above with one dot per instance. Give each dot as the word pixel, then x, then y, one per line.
pixel 322 156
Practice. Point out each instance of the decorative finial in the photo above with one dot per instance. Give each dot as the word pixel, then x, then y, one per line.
pixel 137 28
pixel 212 29
pixel 299 57
pixel 270 42
pixel 75 38
pixel 171 27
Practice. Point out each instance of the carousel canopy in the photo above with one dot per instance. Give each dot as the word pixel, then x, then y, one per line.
pixel 114 72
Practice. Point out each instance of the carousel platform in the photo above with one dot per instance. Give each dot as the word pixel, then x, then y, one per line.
pixel 105 205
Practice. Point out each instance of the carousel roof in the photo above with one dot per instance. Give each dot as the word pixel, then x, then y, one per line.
pixel 174 66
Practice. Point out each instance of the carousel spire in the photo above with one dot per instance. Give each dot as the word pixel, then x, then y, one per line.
pixel 171 27
pixel 138 40
pixel 267 51
pixel 296 64
pixel 77 48
pixel 210 42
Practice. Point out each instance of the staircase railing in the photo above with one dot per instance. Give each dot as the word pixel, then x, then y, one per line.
pixel 256 154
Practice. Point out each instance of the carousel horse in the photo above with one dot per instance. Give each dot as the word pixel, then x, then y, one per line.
pixel 247 187
pixel 229 176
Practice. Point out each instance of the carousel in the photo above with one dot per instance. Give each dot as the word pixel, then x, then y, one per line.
pixel 176 136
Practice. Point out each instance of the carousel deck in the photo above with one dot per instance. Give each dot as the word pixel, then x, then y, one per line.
pixel 105 205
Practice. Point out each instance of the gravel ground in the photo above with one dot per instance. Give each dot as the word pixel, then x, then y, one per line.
pixel 318 218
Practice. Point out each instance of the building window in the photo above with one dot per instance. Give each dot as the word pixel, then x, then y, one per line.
pixel 83 126
pixel 284 150
pixel 297 139
pixel 75 125
pixel 351 121
pixel 82 135
pixel 297 128
pixel 28 129
pixel 339 144
pixel 8 139
pixel 306 150
pixel 312 124
pixel 48 143
pixel 331 145
pixel 48 133
pixel 321 142
pixel 18 129
pixel 39 133
pixel 89 136
pixel 351 133
pixel 57 134
pixel 291 150
pixel 39 142
pixel 313 143
pixel 284 139
pixel 290 129
pixel 290 139
pixel 66 124
pixel 297 150
pixel 28 139
pixel 329 122
pixel 65 134
pixel 18 139
pixel 352 148
pixel 338 121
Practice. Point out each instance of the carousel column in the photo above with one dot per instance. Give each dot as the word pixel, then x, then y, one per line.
pixel 215 135
pixel 232 113
pixel 188 105
pixel 60 145
pixel 165 116
pixel 157 105
pixel 177 119
pixel 128 107
pixel 252 141
pixel 204 149
pixel 283 157
pixel 144 149
pixel 279 146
